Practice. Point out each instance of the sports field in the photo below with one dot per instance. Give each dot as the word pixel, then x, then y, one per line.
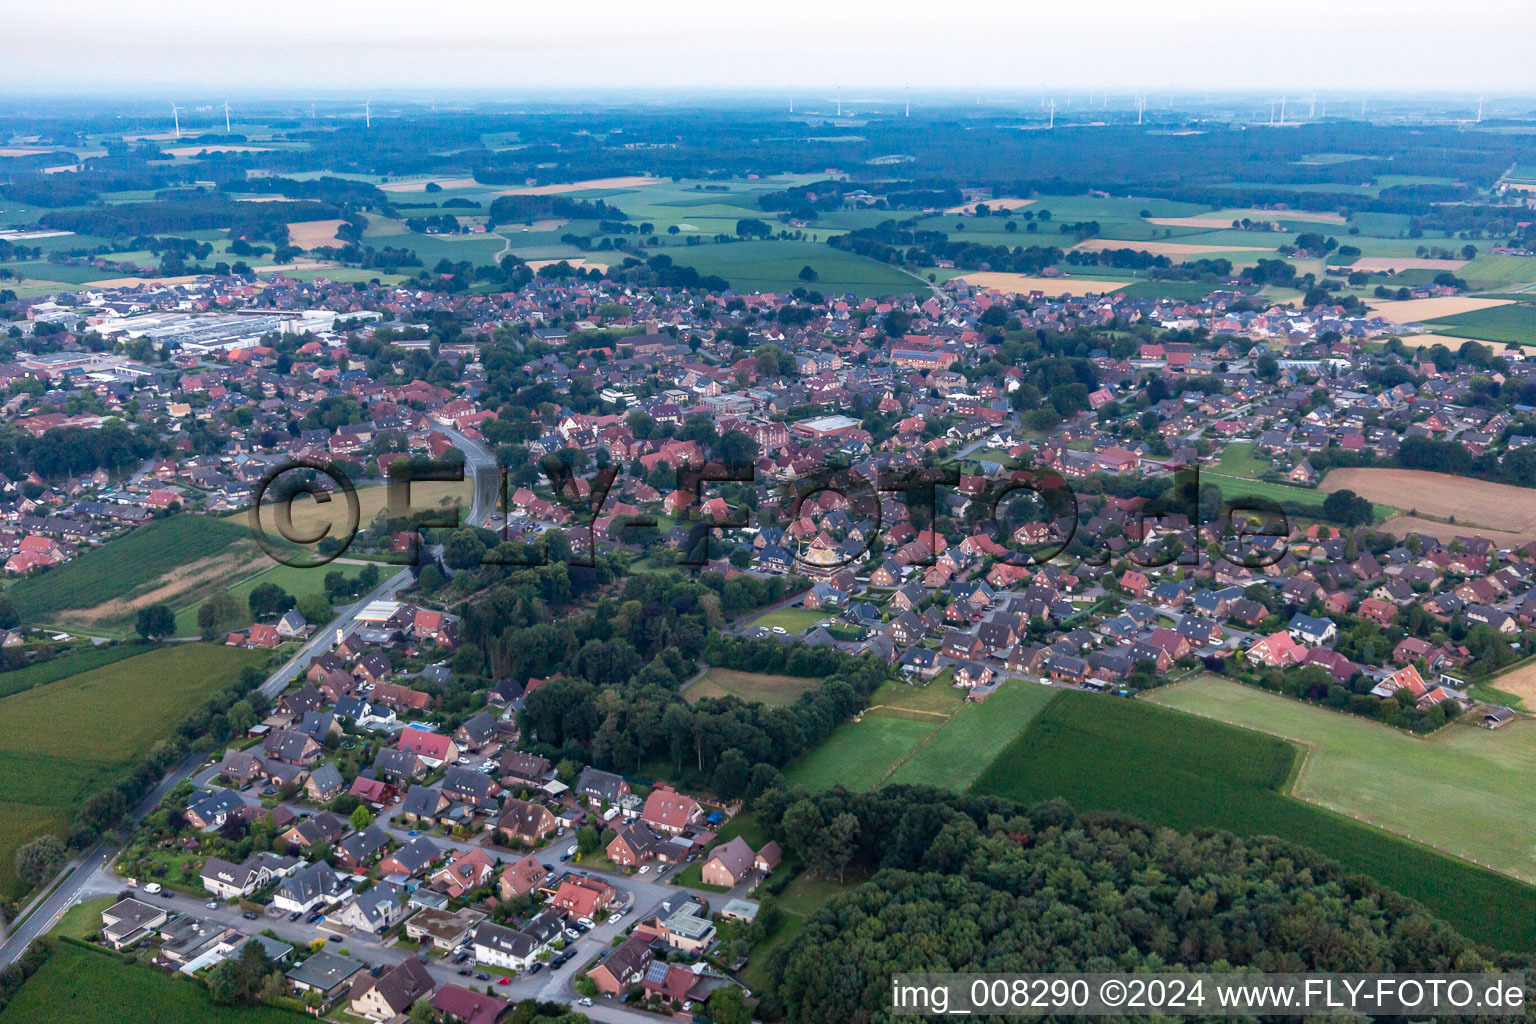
pixel 750 686
pixel 1464 785
pixel 63 740
pixel 1188 772
pixel 795 620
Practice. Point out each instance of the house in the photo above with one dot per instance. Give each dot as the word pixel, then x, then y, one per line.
pixel 603 788
pixel 1380 612
pixel 307 888
pixel 522 878
pixel 411 859
pixel 582 898
pixel 523 821
pixel 687 928
pixel 210 808
pixel 392 993
pixel 232 881
pixel 503 947
pixel 768 857
pixel 465 870
pixel 1405 678
pixel 1312 630
pixel 468 1006
pixel 519 768
pixel 624 967
pixel 372 911
pixel 470 787
pixel 324 784
pixel 433 748
pixel 729 863
pixel 129 921
pixel 325 973
pixel 398 766
pixel 667 810
pixel 362 847
pixel 476 733
pixel 1276 650
pixel 633 844
pixel 446 931
pixel 292 747
pixel 971 674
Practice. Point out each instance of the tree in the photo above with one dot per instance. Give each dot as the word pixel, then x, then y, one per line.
pixel 587 840
pixel 40 860
pixel 729 1006
pixel 1347 507
pixel 8 617
pixel 155 621
pixel 464 550
pixel 316 608
pixel 808 274
pixel 424 1012
pixel 361 818
pixel 268 600
pixel 216 613
pixel 585 986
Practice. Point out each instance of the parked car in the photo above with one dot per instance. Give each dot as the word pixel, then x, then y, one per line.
pixel 465 972
pixel 333 938
pixel 570 851
pixel 212 905
pixel 152 888
pixel 166 894
pixel 248 916
pixel 780 631
pixel 535 969
pixel 482 977
pixel 295 915
pixel 461 958
pixel 505 981
pixel 585 1001
pixel 644 868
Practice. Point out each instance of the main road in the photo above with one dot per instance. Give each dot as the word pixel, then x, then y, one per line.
pixel 90 875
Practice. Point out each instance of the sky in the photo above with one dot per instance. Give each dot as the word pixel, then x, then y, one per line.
pixel 812 46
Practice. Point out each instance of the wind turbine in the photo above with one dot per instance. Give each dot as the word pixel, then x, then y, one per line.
pixel 311 110
pixel 367 115
pixel 1479 110
pixel 791 97
pixel 226 117
pixel 839 99
pixel 1312 111
pixel 176 119
pixel 1053 114
pixel 1282 110
pixel 908 86
pixel 1141 105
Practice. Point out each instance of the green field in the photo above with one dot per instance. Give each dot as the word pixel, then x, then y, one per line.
pixel 62 741
pixel 178 561
pixel 1190 772
pixel 796 620
pixel 1468 784
pixel 757 687
pixel 1514 324
pixel 774 266
pixel 921 735
pixel 962 748
pixel 298 581
pixel 80 659
pixel 84 986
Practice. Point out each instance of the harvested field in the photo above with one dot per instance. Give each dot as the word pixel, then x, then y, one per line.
pixel 1417 310
pixel 1400 526
pixel 579 263
pixel 310 515
pixel 1023 284
pixel 315 234
pixel 1165 248
pixel 1313 216
pixel 547 224
pixel 1450 341
pixel 27 150
pixel 996 204
pixel 1521 682
pixel 1495 506
pixel 1382 264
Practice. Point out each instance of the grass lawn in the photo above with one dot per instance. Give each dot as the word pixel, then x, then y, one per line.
pixel 751 686
pixel 1188 772
pixel 62 741
pixel 953 756
pixel 1467 784
pixel 774 266
pixel 83 986
pixel 176 561
pixel 859 754
pixel 693 877
pixel 83 918
pixel 796 620
pixel 1243 461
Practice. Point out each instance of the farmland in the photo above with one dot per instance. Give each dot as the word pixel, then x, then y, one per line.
pixel 296 580
pixel 80 659
pixel 85 986
pixel 1187 772
pixel 1468 783
pixel 64 739
pixel 176 561
pixel 750 686
pixel 923 735
pixel 1472 502
pixel 1513 324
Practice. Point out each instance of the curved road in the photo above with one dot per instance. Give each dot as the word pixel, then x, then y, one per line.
pixel 91 876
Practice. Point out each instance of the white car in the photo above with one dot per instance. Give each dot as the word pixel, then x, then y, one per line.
pixel 570 851
pixel 153 888
pixel 780 630
pixel 585 1001
pixel 643 869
